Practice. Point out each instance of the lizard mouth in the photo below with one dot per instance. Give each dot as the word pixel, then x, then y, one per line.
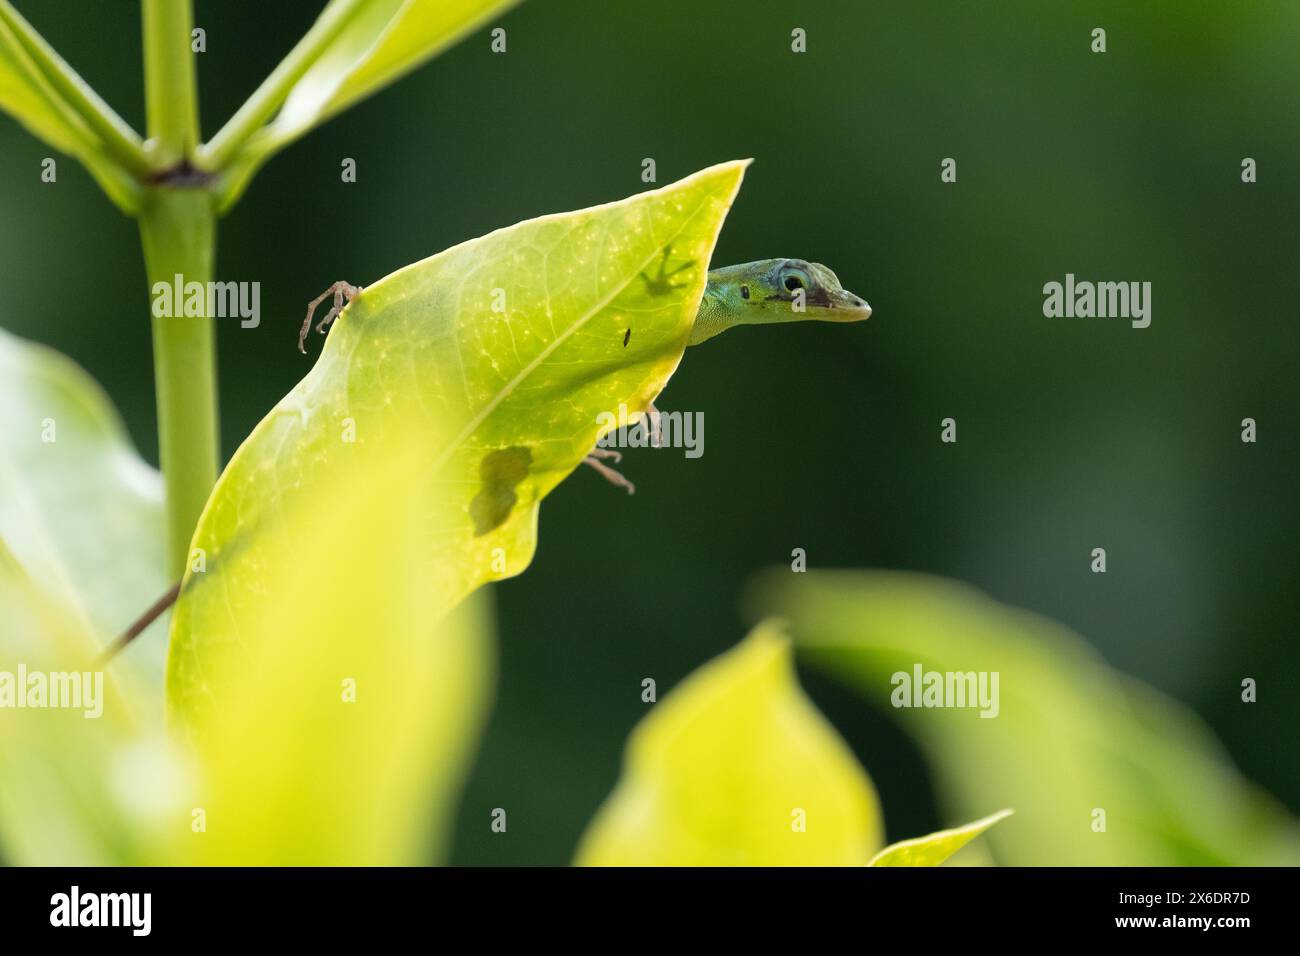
pixel 850 308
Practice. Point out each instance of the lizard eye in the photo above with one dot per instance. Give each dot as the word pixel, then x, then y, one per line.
pixel 793 281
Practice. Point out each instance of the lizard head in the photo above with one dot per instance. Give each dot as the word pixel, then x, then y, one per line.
pixel 787 290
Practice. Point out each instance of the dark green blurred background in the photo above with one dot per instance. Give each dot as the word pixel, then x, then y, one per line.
pixel 1073 433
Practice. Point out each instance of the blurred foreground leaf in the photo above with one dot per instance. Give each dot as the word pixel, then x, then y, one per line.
pixel 1071 737
pixel 80 512
pixel 345 704
pixel 934 848
pixel 80 556
pixel 349 704
pixel 79 785
pixel 737 768
pixel 488 366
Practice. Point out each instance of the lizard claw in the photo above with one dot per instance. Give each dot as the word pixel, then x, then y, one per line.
pixel 610 475
pixel 343 292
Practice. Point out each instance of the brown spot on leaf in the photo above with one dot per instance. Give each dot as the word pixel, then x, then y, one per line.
pixel 500 471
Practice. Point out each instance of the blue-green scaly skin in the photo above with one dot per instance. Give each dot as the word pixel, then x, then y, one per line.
pixel 767 292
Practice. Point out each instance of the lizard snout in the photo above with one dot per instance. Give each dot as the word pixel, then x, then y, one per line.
pixel 850 308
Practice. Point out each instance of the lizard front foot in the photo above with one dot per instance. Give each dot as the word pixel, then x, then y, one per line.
pixel 343 292
pixel 662 284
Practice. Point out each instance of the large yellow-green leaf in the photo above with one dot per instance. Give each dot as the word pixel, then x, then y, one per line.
pixel 345 705
pixel 28 93
pixel 736 767
pixel 934 848
pixel 372 43
pixel 1072 739
pixel 79 511
pixel 494 360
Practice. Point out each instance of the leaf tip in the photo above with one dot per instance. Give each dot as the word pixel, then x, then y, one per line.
pixel 935 848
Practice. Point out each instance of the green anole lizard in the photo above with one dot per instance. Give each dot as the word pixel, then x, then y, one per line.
pixel 754 293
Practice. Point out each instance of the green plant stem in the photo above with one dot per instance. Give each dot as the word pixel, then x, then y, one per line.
pixel 170 93
pixel 270 96
pixel 178 230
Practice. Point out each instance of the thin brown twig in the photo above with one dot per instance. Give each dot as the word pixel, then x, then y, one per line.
pixel 147 618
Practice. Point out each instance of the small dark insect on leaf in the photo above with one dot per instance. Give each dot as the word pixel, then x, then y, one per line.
pixel 627 337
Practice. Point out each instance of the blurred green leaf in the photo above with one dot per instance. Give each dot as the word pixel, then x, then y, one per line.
pixel 40 91
pixel 344 706
pixel 69 791
pixel 80 557
pixel 288 770
pixel 1071 736
pixel 80 512
pixel 500 405
pixel 366 44
pixel 737 768
pixel 934 848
